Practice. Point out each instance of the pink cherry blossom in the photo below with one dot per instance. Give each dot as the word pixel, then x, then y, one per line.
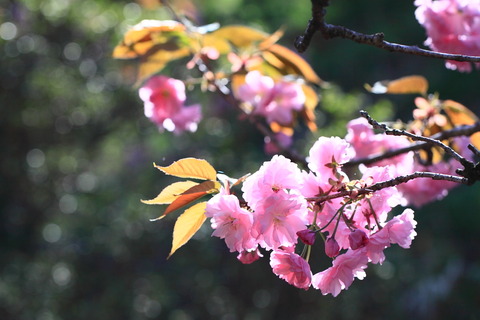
pixel 346 267
pixel 375 208
pixel 401 229
pixel 277 174
pixel 421 191
pixel 278 220
pixel 274 100
pixel 292 268
pixel 164 100
pixel 453 26
pixel 366 143
pixel 231 222
pixel 248 257
pixel 327 154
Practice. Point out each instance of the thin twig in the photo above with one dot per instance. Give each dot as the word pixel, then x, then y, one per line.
pixel 466 130
pixel 392 183
pixel 328 31
pixel 396 132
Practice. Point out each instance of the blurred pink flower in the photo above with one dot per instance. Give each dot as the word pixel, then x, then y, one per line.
pixel 164 100
pixel 453 26
pixel 231 222
pixel 274 100
pixel 292 268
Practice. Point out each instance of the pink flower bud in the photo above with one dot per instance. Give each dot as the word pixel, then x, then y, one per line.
pixel 307 236
pixel 358 239
pixel 247 257
pixel 332 248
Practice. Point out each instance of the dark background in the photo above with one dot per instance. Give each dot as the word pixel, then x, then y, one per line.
pixel 77 154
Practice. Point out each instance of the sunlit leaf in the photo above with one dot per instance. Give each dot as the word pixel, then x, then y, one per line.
pixel 143 37
pixel 293 63
pixel 154 43
pixel 171 192
pixel 406 85
pixel 190 168
pixel 459 115
pixel 236 35
pixel 187 224
pixel 206 186
pixel 181 201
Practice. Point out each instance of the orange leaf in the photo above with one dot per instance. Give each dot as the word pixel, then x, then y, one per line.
pixel 171 192
pixel 190 168
pixel 405 85
pixel 293 63
pixel 206 186
pixel 458 113
pixel 140 39
pixel 187 225
pixel 181 201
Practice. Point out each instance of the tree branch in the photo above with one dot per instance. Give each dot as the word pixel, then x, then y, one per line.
pixel 391 183
pixel 328 31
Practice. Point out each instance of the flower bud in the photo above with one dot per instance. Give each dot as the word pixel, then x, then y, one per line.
pixel 307 236
pixel 332 248
pixel 247 257
pixel 358 239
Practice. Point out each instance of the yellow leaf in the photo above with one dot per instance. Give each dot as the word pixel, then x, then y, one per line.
pixel 236 35
pixel 187 225
pixel 190 168
pixel 405 85
pixel 171 192
pixel 140 40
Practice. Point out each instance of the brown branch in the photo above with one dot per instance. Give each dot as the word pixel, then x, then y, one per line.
pixel 466 130
pixel 429 140
pixel 328 31
pixel 391 183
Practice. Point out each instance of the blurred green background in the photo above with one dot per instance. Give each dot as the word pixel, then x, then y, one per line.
pixel 77 153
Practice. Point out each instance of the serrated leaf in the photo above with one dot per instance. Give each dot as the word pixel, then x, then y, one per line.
pixel 187 224
pixel 171 192
pixel 190 168
pixel 406 85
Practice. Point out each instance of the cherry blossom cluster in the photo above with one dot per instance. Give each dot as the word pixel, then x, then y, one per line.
pixel 453 26
pixel 164 102
pixel 283 208
pixel 415 192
